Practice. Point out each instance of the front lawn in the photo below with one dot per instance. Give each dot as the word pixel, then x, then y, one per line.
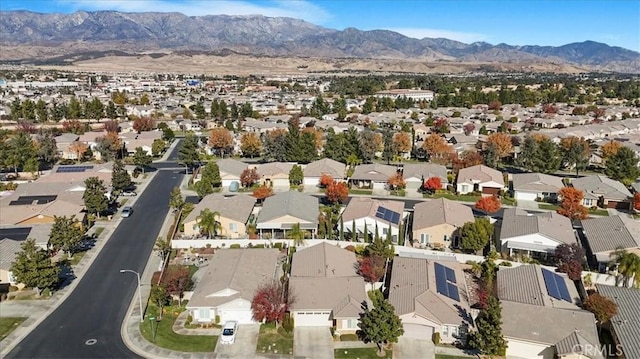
pixel 595 212
pixel 272 341
pixel 361 191
pixel 361 353
pixel 8 324
pixel 168 339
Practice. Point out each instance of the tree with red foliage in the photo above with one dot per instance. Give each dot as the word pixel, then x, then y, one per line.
pixel 176 280
pixel 572 268
pixel 441 125
pixel 468 128
pixel 262 192
pixel 549 109
pixel 468 158
pixel 269 303
pixel 25 127
pixel 433 184
pixel 248 177
pixel 325 180
pixel 602 307
pixel 636 201
pixel 571 205
pixel 371 268
pixel 483 297
pixel 598 112
pixel 490 204
pixel 495 105
pixel 112 126
pixel 73 126
pixel 144 124
pixel 337 192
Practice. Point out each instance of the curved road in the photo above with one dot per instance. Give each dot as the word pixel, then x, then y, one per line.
pixel 98 305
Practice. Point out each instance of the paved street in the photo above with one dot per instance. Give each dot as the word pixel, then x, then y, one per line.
pixel 88 323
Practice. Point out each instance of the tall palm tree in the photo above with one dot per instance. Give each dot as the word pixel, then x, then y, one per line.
pixel 628 266
pixel 208 223
pixel 297 234
pixel 163 246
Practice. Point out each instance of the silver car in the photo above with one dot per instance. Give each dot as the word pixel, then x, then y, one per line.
pixel 126 212
pixel 228 335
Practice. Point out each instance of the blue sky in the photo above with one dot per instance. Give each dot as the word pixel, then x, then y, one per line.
pixel 515 22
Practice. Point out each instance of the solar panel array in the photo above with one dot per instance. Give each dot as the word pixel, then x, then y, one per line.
pixel 388 215
pixel 16 234
pixel 70 169
pixel 27 200
pixel 556 286
pixel 446 282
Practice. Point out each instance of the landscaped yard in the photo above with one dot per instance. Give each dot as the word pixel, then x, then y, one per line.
pixel 360 191
pixel 553 207
pixel 168 339
pixel 98 231
pixel 453 197
pixel 361 353
pixel 274 341
pixel 447 356
pixel 76 258
pixel 8 324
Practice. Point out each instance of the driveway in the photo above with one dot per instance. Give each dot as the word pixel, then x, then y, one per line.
pixel 410 348
pixel 313 342
pixel 245 345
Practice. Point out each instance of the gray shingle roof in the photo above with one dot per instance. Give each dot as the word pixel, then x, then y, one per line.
pixel 290 203
pixel 323 260
pixel 606 234
pixel 596 186
pixel 335 169
pixel 576 343
pixel 516 223
pixel 536 182
pixel 237 208
pixel 480 173
pixel 241 270
pixel 626 323
pixel 360 207
pixel 231 166
pixel 439 211
pixel 373 172
pixel 8 251
pixel 425 170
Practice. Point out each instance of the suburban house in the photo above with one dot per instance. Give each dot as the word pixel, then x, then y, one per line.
pixel 234 213
pixel 415 174
pixel 328 292
pixel 11 240
pixel 431 297
pixel 605 235
pixel 479 178
pixel 229 283
pixel 275 174
pixel 536 186
pixel 541 316
pixel 282 211
pixel 624 325
pixel 63 144
pixel 230 171
pixel 374 176
pixel 436 222
pixel 604 192
pixel 534 235
pixel 326 166
pixel 373 215
pixel 144 140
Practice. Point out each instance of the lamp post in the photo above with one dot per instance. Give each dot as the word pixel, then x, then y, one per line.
pixel 139 291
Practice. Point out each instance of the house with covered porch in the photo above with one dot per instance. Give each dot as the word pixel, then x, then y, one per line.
pixel 282 211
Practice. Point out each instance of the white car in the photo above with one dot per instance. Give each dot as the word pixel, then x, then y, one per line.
pixel 126 212
pixel 128 194
pixel 228 335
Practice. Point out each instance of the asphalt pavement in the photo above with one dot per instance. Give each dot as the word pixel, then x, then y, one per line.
pixel 88 323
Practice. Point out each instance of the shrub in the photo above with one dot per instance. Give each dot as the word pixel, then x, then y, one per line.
pixel 277 245
pixel 505 264
pixel 349 338
pixel 350 248
pixel 259 246
pixel 235 246
pixel 287 323
pixel 217 319
pixel 436 338
pixel 189 320
pixel 13 288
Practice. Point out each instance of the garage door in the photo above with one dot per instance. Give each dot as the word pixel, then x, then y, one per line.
pixel 241 316
pixel 525 196
pixel 311 319
pixel 417 331
pixel 618 205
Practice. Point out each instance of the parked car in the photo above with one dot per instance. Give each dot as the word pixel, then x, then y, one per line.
pixel 126 212
pixel 128 194
pixel 229 330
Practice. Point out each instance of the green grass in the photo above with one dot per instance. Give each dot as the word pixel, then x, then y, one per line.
pixel 269 336
pixel 76 258
pixel 399 193
pixel 8 324
pixel 595 212
pixel 551 207
pixel 599 212
pixel 360 191
pixel 168 339
pixel 508 201
pixel 124 201
pixel 361 353
pixel 453 197
pixel 447 356
pixel 98 231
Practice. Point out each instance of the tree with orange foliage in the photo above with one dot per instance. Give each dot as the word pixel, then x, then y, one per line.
pixel 549 109
pixel 495 105
pixel 610 148
pixel 316 134
pixel 262 192
pixel 401 143
pixel 112 126
pixel 248 177
pixel 502 143
pixel 337 192
pixel 250 144
pixel 326 180
pixel 576 152
pixel 571 205
pixel 144 124
pixel 396 182
pixel 468 158
pixel 636 201
pixel 433 184
pixel 490 204
pixel 78 148
pixel 73 126
pixel 436 148
pixel 220 139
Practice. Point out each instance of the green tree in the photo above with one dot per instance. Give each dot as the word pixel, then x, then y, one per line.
pixel 94 197
pixel 34 268
pixel 111 111
pixel 160 297
pixel 628 267
pixel 66 234
pixel 141 158
pixel 188 151
pixel 41 111
pixel 28 110
pixel 120 178
pixel 387 151
pixel 475 235
pixel 20 150
pixel 576 152
pixel 168 134
pixel 47 150
pixel 208 222
pixel 209 180
pixel 297 235
pixel 368 146
pixel 296 175
pixel 623 166
pixel 32 166
pixel 163 246
pixel 176 201
pixel 488 338
pixel 379 247
pixel 490 156
pixel 380 324
pixel 74 110
pixel 158 146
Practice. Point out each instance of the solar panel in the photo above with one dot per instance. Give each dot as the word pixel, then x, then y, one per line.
pixel 16 234
pixel 73 169
pixel 453 292
pixel 451 275
pixel 550 283
pixel 441 280
pixel 562 287
pixel 396 218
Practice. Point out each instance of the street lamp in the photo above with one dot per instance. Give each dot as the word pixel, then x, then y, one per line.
pixel 139 291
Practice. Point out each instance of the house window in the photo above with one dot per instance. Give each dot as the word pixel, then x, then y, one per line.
pixel 446 238
pixel 424 238
pixel 445 331
pixel 233 227
pixel 351 323
pixel 204 314
pixel 384 231
pixel 464 188
pixel 454 331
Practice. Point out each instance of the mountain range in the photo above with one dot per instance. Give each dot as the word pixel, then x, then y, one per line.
pixel 102 32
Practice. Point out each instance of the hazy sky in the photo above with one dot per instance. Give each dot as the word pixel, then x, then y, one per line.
pixel 515 22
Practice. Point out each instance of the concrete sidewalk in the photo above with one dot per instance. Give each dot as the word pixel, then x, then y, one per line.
pixel 168 152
